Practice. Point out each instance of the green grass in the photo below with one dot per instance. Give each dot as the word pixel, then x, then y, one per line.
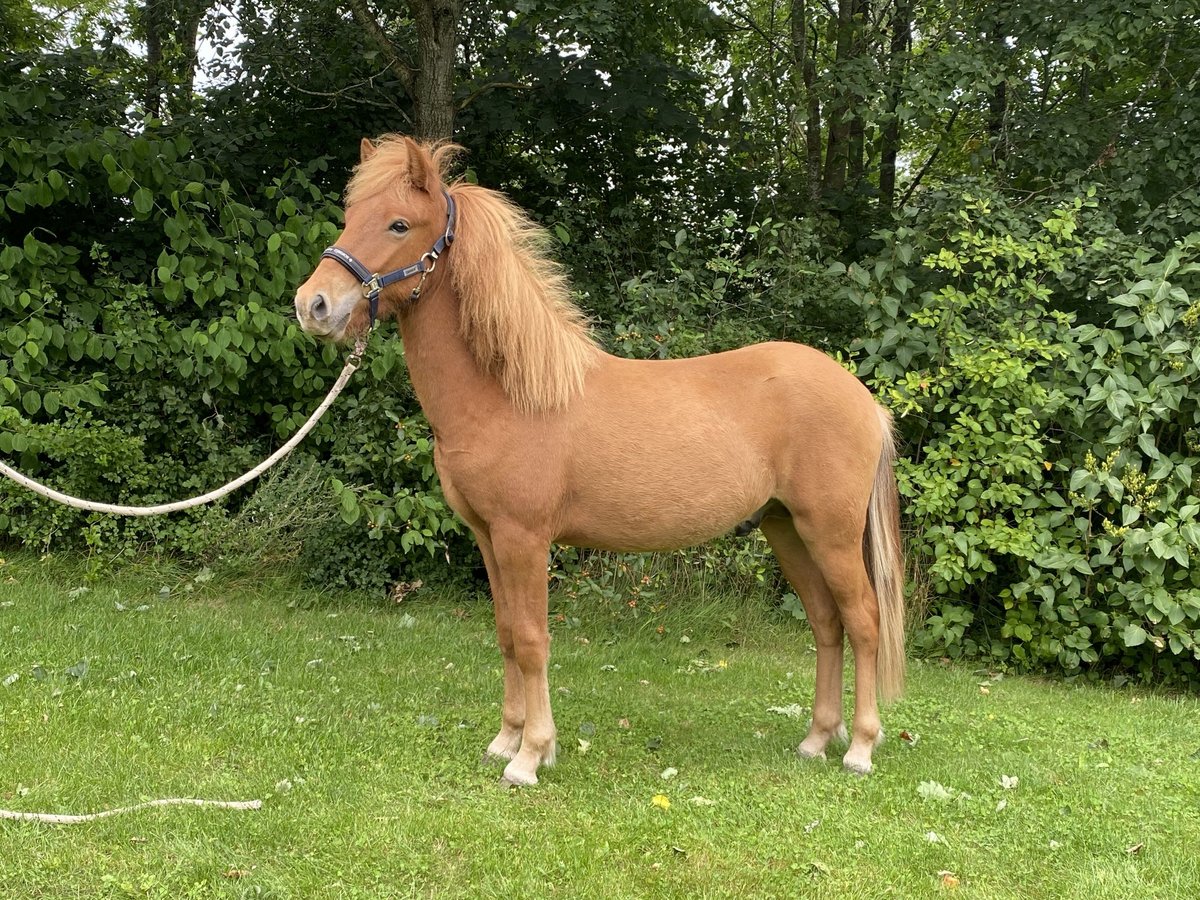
pixel 377 718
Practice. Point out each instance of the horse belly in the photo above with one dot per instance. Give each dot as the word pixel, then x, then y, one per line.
pixel 664 492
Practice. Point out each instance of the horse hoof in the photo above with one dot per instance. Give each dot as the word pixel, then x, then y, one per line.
pixel 491 759
pixel 854 767
pixel 810 754
pixel 515 778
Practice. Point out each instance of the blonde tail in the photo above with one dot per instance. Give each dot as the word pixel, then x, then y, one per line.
pixel 885 564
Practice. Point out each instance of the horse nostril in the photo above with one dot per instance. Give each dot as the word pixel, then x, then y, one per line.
pixel 319 309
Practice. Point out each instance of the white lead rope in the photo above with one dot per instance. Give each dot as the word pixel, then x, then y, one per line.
pixel 66 499
pixel 352 363
pixel 53 819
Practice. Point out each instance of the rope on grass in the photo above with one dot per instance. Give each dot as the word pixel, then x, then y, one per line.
pixel 52 819
pixel 66 499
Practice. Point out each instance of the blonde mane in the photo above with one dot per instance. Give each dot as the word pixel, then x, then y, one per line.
pixel 516 312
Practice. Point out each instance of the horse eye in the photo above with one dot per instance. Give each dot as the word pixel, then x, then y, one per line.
pixel 399 227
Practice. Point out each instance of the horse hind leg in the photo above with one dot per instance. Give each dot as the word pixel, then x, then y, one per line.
pixel 844 572
pixel 823 616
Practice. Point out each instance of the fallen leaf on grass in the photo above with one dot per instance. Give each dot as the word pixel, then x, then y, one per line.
pixel 11 679
pixel 661 801
pixel 669 773
pixel 701 801
pixel 909 737
pixel 933 837
pixel 1008 782
pixel 812 826
pixel 235 873
pixel 1135 849
pixel 949 880
pixel 623 723
pixel 138 840
pixel 584 746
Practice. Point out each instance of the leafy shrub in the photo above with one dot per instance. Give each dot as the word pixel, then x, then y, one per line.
pixel 1048 472
pixel 148 349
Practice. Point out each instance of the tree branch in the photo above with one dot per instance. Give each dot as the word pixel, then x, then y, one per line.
pixel 929 162
pixel 379 37
pixel 493 86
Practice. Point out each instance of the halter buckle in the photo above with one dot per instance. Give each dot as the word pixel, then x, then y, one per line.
pixel 372 287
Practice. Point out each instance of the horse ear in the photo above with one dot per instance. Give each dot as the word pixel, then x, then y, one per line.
pixel 366 150
pixel 421 172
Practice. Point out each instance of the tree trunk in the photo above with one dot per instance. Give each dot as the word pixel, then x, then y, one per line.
pixel 804 76
pixel 890 138
pixel 154 24
pixel 171 28
pixel 997 114
pixel 837 150
pixel 437 50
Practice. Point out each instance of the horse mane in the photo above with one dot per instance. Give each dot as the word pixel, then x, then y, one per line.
pixel 515 307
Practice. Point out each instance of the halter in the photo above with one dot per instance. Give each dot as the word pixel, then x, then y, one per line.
pixel 374 283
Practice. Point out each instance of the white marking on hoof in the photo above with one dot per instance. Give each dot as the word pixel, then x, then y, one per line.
pixel 856 766
pixel 514 777
pixel 857 762
pixel 503 747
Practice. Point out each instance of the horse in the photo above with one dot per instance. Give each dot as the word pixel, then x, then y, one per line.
pixel 541 437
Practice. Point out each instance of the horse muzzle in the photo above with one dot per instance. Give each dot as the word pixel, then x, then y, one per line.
pixel 322 316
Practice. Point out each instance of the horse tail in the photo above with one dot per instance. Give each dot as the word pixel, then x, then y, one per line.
pixel 885 565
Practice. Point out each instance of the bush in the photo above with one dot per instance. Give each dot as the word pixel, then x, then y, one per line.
pixel 1048 471
pixel 148 349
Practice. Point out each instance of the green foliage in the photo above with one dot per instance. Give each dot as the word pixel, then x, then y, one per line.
pixel 1048 476
pixel 721 288
pixel 149 349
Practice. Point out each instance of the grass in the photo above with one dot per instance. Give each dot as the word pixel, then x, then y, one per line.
pixel 361 728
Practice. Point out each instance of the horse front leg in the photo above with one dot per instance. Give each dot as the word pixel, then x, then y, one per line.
pixel 520 559
pixel 507 742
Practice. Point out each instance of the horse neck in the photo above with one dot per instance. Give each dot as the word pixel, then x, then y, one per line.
pixel 451 388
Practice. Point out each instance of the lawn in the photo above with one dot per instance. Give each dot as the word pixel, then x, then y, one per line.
pixel 360 726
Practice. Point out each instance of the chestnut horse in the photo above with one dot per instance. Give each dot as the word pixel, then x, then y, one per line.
pixel 541 438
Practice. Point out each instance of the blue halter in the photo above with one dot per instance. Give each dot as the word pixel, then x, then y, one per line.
pixel 374 283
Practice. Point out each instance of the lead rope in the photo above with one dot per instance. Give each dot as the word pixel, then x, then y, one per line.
pixel 352 363
pixel 53 819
